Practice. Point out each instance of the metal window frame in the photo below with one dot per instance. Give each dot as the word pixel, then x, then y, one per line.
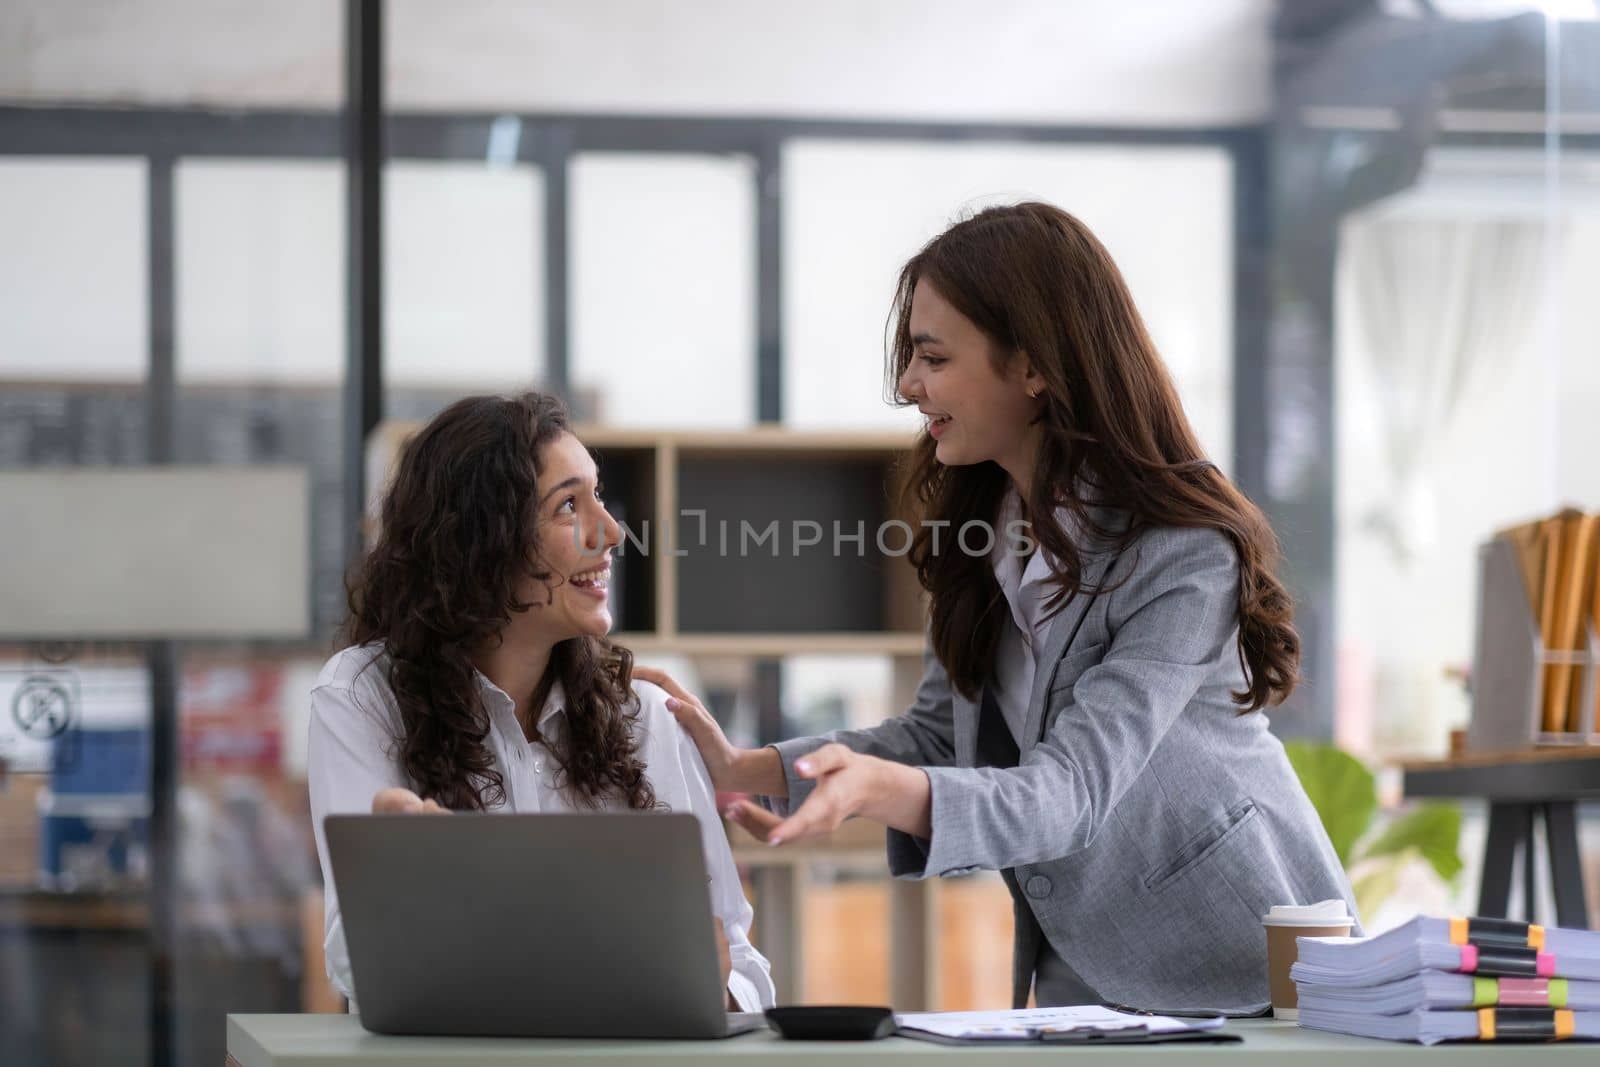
pixel 364 137
pixel 550 140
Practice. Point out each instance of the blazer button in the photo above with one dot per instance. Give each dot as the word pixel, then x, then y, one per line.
pixel 1039 887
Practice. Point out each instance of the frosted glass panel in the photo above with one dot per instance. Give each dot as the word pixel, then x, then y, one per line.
pixel 464 275
pixel 260 271
pixel 663 288
pixel 155 553
pixel 1463 407
pixel 261 282
pixel 73 297
pixel 855 211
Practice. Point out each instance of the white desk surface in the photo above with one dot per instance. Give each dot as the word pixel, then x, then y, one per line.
pixel 339 1041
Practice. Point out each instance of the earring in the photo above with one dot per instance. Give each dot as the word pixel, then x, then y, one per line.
pixel 1033 394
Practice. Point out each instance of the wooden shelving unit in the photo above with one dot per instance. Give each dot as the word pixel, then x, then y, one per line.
pixel 737 582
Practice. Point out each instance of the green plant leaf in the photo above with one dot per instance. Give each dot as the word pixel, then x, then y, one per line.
pixel 1341 789
pixel 1434 830
pixel 1374 882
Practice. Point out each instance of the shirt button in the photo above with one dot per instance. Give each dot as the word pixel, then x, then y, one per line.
pixel 1039 887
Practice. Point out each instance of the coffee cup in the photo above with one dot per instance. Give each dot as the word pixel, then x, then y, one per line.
pixel 1284 923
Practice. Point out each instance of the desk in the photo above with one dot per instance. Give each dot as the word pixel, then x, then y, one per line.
pixel 339 1041
pixel 1519 785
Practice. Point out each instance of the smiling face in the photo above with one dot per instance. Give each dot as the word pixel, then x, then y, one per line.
pixel 575 537
pixel 976 400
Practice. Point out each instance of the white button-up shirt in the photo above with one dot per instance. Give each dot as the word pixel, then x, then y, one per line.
pixel 355 727
pixel 1027 589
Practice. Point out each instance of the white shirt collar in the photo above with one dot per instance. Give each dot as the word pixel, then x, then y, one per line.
pixel 1026 588
pixel 1009 568
pixel 554 703
pixel 1022 584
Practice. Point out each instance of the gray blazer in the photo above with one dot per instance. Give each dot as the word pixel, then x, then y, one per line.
pixel 1152 827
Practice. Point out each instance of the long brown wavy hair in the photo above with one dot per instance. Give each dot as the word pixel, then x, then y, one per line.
pixel 1034 280
pixel 458 537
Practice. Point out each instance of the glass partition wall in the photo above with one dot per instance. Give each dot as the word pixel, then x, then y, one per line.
pixel 1448 215
pixel 1434 358
pixel 1369 291
pixel 172 313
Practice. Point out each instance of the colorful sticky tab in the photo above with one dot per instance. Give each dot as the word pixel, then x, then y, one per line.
pixel 1524 992
pixel 1509 933
pixel 1524 1023
pixel 1499 960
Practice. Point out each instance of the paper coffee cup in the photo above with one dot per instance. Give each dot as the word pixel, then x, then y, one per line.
pixel 1284 923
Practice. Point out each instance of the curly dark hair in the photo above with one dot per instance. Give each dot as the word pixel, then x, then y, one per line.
pixel 1034 279
pixel 457 537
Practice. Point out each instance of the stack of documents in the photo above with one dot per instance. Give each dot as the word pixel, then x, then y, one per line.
pixel 1435 980
pixel 1081 1024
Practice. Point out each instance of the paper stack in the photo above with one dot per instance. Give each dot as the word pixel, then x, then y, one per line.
pixel 1435 980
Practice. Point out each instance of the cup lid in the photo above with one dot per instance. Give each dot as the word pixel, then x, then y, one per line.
pixel 1322 913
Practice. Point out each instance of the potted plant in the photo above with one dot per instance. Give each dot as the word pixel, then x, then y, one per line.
pixel 1418 849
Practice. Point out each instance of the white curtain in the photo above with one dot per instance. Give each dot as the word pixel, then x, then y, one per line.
pixel 1438 302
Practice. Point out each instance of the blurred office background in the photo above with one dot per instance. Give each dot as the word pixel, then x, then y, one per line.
pixel 1365 234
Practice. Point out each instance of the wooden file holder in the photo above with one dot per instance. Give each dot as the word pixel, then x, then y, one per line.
pixel 1509 660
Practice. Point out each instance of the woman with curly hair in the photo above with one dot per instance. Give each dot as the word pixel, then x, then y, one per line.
pixel 1088 722
pixel 478 676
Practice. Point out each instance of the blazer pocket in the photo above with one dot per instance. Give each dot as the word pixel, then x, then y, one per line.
pixel 1194 851
pixel 1073 664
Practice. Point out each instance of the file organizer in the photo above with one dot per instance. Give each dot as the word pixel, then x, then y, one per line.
pixel 1509 661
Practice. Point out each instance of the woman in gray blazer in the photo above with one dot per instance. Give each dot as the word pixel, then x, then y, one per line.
pixel 1105 629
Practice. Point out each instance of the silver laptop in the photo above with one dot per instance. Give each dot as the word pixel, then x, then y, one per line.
pixel 586 925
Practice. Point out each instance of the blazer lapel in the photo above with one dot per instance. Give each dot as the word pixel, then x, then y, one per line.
pixel 965 713
pixel 1055 646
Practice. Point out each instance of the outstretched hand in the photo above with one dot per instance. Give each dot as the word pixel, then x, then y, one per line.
pixel 756 821
pixel 848 784
pixel 396 801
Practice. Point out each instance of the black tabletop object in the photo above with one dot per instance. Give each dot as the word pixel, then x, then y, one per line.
pixel 831 1022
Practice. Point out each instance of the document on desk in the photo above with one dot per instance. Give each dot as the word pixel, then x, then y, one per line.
pixel 1088 1022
